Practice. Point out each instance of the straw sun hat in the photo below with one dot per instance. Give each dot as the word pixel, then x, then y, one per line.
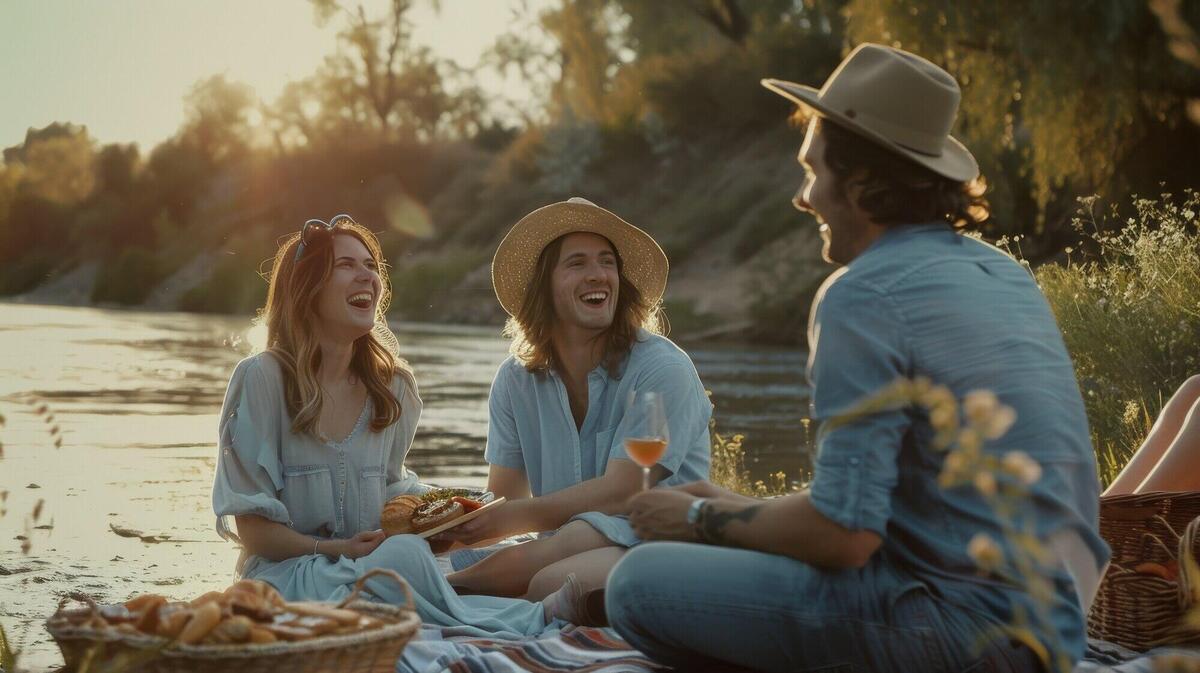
pixel 643 262
pixel 896 99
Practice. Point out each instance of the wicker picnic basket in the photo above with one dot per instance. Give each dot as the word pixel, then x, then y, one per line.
pixel 373 651
pixel 1137 609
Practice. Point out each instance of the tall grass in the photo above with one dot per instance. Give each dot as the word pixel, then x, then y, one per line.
pixel 728 468
pixel 1129 310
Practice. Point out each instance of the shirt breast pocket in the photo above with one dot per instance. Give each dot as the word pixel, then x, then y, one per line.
pixel 371 491
pixel 308 495
pixel 604 449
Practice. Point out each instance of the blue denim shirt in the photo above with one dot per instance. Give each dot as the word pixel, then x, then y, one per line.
pixel 530 426
pixel 923 300
pixel 321 488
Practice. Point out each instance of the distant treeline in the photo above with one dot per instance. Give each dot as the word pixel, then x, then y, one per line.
pixel 650 108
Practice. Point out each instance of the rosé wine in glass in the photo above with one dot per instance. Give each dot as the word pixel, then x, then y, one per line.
pixel 648 433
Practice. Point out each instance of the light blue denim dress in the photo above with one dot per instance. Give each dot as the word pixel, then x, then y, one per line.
pixel 531 428
pixel 334 490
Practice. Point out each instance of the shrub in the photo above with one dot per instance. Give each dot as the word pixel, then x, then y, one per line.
pixel 129 278
pixel 728 468
pixel 1130 315
pixel 27 272
pixel 419 288
pixel 234 286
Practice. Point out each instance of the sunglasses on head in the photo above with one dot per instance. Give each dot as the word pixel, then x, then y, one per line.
pixel 314 228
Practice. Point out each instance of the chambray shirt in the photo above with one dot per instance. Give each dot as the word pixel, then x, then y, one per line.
pixel 323 488
pixel 923 300
pixel 530 426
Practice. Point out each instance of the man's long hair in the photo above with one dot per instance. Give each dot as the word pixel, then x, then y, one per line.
pixel 532 329
pixel 897 190
pixel 290 316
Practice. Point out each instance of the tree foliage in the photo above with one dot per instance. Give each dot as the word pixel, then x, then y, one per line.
pixel 1058 98
pixel 651 108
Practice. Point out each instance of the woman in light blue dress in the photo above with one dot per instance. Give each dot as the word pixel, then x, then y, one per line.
pixel 313 435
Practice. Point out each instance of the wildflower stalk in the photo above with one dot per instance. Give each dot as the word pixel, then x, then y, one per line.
pixel 1002 482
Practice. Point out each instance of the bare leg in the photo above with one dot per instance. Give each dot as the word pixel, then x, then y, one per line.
pixel 509 571
pixel 590 568
pixel 1179 468
pixel 1161 442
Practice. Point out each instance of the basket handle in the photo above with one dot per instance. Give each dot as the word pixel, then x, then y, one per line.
pixel 77 596
pixel 1188 594
pixel 362 582
pixel 1166 524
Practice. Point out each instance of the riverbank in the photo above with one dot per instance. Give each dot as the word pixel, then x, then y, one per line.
pixel 712 296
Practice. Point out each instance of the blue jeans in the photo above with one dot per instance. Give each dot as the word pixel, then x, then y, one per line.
pixel 696 606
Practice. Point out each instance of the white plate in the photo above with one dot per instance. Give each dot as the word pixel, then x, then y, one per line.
pixel 462 519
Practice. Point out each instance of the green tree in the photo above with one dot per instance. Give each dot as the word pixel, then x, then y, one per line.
pixel 402 85
pixel 57 163
pixel 1059 98
pixel 216 119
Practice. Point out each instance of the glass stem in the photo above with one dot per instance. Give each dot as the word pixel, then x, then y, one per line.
pixel 645 479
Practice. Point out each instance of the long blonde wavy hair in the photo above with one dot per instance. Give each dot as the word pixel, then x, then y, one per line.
pixel 532 329
pixel 290 316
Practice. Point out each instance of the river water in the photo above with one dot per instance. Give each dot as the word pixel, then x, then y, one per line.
pixel 135 396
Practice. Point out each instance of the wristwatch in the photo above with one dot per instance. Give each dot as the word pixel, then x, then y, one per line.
pixel 693 513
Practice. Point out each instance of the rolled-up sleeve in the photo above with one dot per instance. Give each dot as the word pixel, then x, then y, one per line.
pixel 400 479
pixel 503 442
pixel 249 475
pixel 856 348
pixel 687 410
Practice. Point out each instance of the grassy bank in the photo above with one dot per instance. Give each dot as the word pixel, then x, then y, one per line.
pixel 1128 304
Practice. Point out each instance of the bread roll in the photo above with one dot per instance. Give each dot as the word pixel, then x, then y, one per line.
pixel 204 618
pixel 397 515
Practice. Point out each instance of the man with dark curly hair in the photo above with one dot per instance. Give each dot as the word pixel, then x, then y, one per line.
pixel 877 566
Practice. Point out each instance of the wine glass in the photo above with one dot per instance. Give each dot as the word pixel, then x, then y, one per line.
pixel 648 438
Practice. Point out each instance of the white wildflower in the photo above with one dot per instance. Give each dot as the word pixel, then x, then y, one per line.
pixel 1002 419
pixel 979 406
pixel 969 440
pixel 1022 466
pixel 985 483
pixel 984 551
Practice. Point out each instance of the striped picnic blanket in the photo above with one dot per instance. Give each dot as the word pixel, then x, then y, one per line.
pixel 582 649
pixel 592 650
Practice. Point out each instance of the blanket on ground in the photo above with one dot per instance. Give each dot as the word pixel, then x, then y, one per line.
pixel 571 649
pixel 593 650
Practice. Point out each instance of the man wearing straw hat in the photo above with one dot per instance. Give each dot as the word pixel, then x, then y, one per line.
pixel 877 566
pixel 583 288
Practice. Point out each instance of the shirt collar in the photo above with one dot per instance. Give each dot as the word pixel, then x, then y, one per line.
pixel 902 232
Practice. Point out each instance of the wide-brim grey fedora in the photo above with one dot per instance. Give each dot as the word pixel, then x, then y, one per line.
pixel 643 262
pixel 896 99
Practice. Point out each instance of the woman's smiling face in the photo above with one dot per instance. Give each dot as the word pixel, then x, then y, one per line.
pixel 347 303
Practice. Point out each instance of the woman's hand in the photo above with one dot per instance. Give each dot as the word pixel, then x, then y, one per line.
pixel 356 547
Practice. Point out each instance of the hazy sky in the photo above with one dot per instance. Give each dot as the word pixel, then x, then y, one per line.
pixel 122 67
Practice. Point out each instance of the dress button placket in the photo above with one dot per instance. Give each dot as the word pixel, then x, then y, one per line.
pixel 341 513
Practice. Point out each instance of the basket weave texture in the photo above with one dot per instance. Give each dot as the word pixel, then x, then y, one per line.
pixel 1139 610
pixel 374 651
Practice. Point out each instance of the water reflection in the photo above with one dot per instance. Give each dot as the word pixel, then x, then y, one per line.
pixel 126 379
pixel 137 396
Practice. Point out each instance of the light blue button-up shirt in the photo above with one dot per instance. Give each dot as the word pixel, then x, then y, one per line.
pixel 923 300
pixel 530 426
